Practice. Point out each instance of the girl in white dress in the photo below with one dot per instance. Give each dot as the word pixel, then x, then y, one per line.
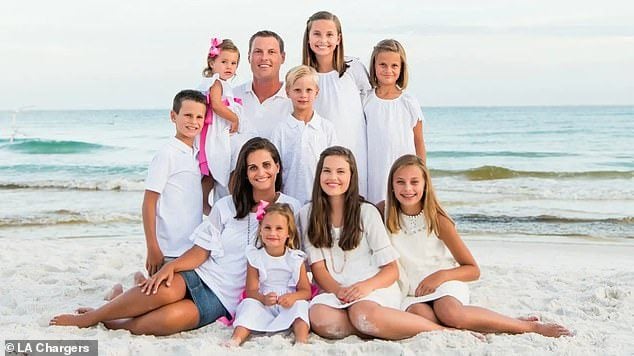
pixel 342 84
pixel 224 132
pixel 394 118
pixel 277 286
pixel 351 259
pixel 435 260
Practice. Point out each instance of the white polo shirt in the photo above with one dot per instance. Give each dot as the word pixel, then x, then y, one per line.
pixel 263 117
pixel 300 145
pixel 175 175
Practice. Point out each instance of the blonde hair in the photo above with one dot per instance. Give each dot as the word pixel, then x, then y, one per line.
pixel 284 210
pixel 301 71
pixel 429 203
pixel 225 45
pixel 308 56
pixel 389 46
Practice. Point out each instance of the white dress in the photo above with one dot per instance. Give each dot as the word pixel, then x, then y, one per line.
pixel 222 148
pixel 279 275
pixel 422 255
pixel 340 101
pixel 228 240
pixel 361 263
pixel 300 145
pixel 390 125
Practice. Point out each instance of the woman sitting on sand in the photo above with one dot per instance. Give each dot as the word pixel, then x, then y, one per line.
pixel 206 282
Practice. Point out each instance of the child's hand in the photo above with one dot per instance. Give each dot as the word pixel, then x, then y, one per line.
pixel 152 284
pixel 154 260
pixel 356 292
pixel 287 300
pixel 270 299
pixel 429 284
pixel 234 127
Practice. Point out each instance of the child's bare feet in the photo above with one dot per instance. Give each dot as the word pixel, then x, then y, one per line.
pixel 551 329
pixel 139 278
pixel 80 320
pixel 232 343
pixel 83 310
pixel 116 290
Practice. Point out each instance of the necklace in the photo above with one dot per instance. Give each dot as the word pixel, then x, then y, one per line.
pixel 413 224
pixel 249 229
pixel 332 260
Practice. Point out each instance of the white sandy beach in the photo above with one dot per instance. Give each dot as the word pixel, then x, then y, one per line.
pixel 584 286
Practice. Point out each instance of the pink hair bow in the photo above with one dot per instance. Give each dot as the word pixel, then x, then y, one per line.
pixel 261 210
pixel 213 49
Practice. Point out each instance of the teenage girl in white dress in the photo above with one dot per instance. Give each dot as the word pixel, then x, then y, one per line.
pixel 436 262
pixel 277 286
pixel 342 84
pixel 394 118
pixel 352 259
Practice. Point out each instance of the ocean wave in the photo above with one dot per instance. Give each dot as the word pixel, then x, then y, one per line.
pixel 482 218
pixel 67 217
pixel 119 184
pixel 463 154
pixel 495 172
pixel 74 170
pixel 38 146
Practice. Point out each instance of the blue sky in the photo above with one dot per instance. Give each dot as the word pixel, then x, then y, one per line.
pixel 137 54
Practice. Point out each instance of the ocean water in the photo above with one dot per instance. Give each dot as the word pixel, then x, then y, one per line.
pixel 501 172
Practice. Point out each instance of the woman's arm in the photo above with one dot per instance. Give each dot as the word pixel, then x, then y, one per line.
pixel 467 270
pixel 323 277
pixel 191 259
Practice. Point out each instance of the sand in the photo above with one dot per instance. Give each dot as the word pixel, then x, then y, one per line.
pixel 586 286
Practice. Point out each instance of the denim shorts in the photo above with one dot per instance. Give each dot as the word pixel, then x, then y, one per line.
pixel 209 306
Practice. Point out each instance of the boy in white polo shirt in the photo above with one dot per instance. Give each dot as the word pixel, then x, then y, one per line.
pixel 172 205
pixel 302 135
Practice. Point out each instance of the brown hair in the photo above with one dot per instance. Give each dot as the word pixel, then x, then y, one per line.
pixel 319 225
pixel 308 56
pixel 389 46
pixel 225 45
pixel 284 210
pixel 241 189
pixel 266 33
pixel 429 203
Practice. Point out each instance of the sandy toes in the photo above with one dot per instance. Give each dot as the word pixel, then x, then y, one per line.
pixel 80 320
pixel 552 330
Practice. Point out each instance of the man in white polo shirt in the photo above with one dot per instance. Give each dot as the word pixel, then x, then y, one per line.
pixel 264 99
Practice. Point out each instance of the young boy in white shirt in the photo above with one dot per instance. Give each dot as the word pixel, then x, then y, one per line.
pixel 172 205
pixel 303 135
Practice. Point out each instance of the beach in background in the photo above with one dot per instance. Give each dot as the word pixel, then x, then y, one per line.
pixel 544 196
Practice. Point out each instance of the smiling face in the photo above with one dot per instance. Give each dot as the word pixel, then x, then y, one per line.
pixel 334 178
pixel 388 68
pixel 323 38
pixel 225 64
pixel 303 93
pixel 409 185
pixel 266 58
pixel 262 170
pixel 274 232
pixel 188 120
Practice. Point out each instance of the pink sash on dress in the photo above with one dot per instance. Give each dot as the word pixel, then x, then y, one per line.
pixel 202 154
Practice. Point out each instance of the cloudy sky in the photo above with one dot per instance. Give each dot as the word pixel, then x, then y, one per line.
pixel 121 54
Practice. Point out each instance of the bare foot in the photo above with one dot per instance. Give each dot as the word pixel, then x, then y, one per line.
pixel 83 310
pixel 528 318
pixel 116 290
pixel 551 330
pixel 80 320
pixel 232 343
pixel 139 278
pixel 301 340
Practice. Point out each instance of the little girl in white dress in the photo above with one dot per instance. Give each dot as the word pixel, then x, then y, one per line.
pixel 277 285
pixel 224 131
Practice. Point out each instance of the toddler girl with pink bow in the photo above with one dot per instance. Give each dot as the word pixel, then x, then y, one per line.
pixel 224 131
pixel 277 286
